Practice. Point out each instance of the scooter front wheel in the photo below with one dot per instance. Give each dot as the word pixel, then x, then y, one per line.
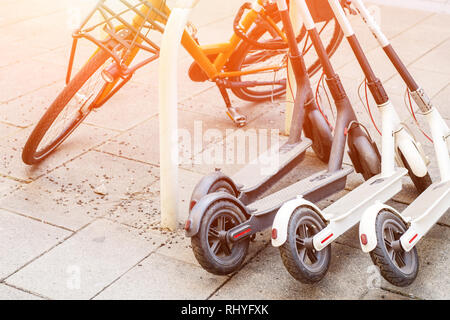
pixel 299 256
pixel 421 183
pixel 396 265
pixel 317 129
pixel 211 246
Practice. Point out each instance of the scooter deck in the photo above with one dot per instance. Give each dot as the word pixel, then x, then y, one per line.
pixel 313 188
pixel 425 212
pixel 347 211
pixel 436 196
pixel 259 171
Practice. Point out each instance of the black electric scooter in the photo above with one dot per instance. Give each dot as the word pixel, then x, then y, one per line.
pixel 225 212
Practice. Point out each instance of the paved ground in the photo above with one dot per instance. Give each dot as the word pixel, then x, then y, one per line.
pixel 85 223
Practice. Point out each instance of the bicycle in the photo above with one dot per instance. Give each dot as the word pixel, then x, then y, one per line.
pixel 258 47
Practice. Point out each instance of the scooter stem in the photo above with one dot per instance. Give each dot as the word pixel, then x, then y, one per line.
pixel 304 95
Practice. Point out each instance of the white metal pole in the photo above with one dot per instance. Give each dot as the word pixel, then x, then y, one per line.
pixel 291 86
pixel 168 113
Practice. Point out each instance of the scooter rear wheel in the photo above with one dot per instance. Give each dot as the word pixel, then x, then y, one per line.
pixel 396 265
pixel 301 260
pixel 212 249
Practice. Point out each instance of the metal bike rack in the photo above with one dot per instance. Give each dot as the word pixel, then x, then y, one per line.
pixel 168 113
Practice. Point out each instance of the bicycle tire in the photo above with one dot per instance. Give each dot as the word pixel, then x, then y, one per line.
pixel 31 155
pixel 239 57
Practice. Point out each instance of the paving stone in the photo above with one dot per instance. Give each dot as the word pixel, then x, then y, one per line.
pixel 16 52
pixel 23 239
pixel 265 278
pixel 432 82
pixel 33 75
pixel 10 293
pixel 71 194
pixel 29 108
pixel 379 294
pixel 61 55
pixel 15 11
pixel 39 51
pixel 210 102
pixel 7 130
pixel 123 113
pixel 207 12
pixel 135 143
pixel 81 140
pixel 7 186
pixel 432 282
pixel 161 277
pixel 142 210
pixel 85 264
pixel 441 100
pixel 404 18
pixel 431 61
pixel 49 31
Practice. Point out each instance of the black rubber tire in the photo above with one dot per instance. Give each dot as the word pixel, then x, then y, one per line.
pixel 30 155
pixel 370 163
pixel 320 144
pixel 208 259
pixel 243 50
pixel 421 183
pixel 289 252
pixel 380 256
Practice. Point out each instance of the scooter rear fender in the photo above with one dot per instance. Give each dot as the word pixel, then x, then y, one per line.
pixel 196 215
pixel 281 222
pixel 367 232
pixel 203 187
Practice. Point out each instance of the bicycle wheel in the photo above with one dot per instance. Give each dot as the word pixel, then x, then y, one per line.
pixel 248 58
pixel 68 110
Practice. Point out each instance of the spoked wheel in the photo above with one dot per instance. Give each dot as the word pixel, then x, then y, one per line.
pixel 248 58
pixel 302 261
pixel 396 265
pixel 68 110
pixel 212 249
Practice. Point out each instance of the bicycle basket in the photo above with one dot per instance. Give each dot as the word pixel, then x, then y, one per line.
pixel 126 24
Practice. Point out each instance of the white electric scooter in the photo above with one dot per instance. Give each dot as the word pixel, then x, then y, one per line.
pixel 301 230
pixel 391 237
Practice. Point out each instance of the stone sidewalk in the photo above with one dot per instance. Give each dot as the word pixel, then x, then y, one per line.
pixel 84 224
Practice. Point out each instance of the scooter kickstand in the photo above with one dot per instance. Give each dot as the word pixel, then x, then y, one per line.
pixel 239 119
